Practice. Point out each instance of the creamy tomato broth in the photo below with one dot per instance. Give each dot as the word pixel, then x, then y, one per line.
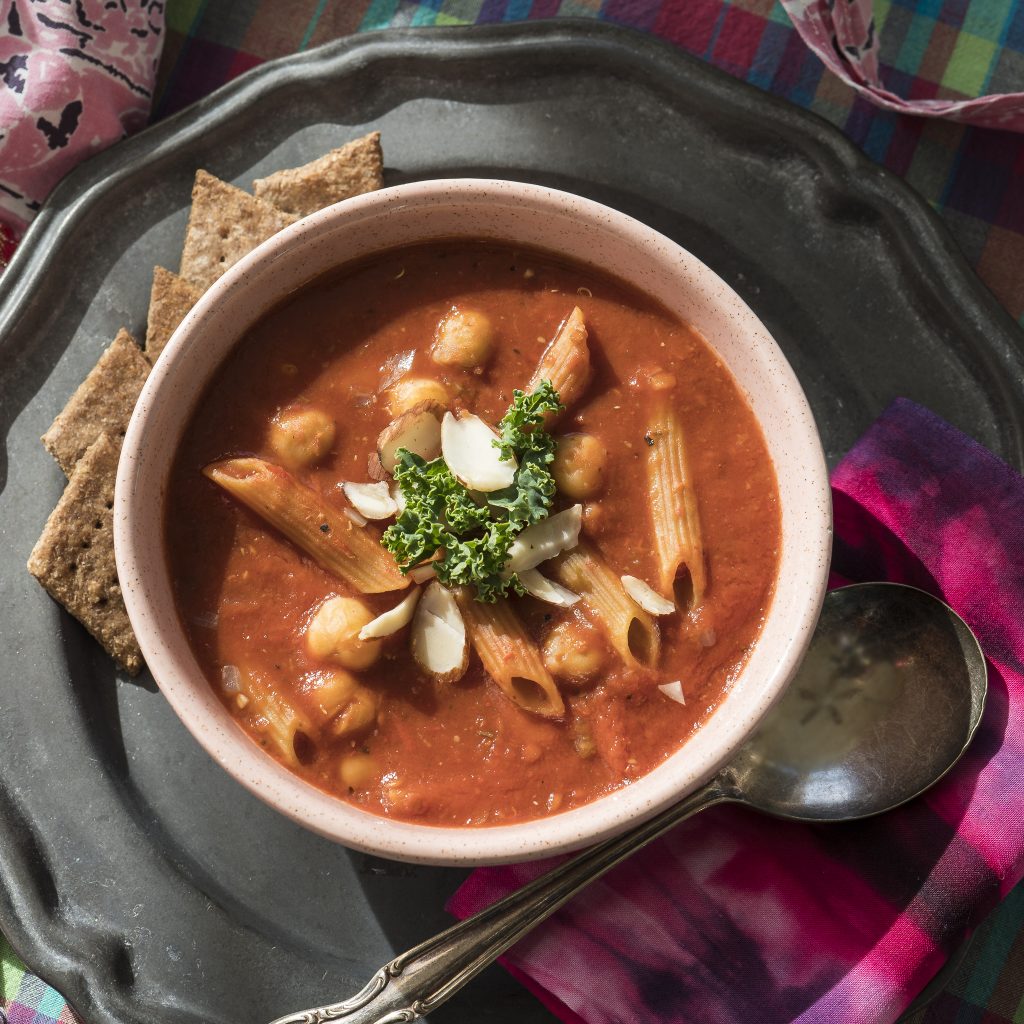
pixel 376 730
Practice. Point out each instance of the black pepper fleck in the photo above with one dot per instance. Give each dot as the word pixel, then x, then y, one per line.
pixel 649 440
pixel 324 528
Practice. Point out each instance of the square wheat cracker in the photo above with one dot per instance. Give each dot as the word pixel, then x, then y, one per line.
pixel 74 557
pixel 169 301
pixel 102 403
pixel 351 170
pixel 224 224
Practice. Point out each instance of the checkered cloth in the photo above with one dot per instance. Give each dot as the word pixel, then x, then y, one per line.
pixel 926 50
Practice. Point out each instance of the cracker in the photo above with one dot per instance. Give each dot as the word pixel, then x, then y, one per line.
pixel 74 558
pixel 103 402
pixel 224 224
pixel 170 299
pixel 349 171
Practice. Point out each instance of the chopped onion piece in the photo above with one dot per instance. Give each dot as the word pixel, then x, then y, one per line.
pixel 231 678
pixel 394 368
pixel 392 620
pixel 674 691
pixel 356 518
pixel 438 639
pixel 466 445
pixel 371 500
pixel 422 573
pixel 544 540
pixel 546 590
pixel 647 597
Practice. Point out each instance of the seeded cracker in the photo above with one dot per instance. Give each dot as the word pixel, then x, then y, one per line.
pixel 349 171
pixel 225 223
pixel 74 558
pixel 103 402
pixel 170 299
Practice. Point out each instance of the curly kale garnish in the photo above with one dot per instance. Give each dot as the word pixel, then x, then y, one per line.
pixel 473 532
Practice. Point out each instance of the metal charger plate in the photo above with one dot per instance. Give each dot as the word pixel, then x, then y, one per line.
pixel 135 876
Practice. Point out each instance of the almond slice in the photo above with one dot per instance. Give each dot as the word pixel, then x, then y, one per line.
pixel 674 691
pixel 373 501
pixel 543 589
pixel 392 620
pixel 544 540
pixel 467 447
pixel 647 597
pixel 418 430
pixel 438 640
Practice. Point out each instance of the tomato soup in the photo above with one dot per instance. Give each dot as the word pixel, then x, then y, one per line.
pixel 308 396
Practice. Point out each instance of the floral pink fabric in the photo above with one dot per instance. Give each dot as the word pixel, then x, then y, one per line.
pixel 736 917
pixel 75 76
pixel 843 34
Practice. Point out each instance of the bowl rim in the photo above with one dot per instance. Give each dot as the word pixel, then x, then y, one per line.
pixel 300 800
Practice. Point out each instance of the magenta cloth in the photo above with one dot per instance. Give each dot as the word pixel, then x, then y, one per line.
pixel 74 77
pixel 844 35
pixel 737 917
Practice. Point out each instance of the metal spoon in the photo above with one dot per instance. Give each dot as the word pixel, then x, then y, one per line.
pixel 887 699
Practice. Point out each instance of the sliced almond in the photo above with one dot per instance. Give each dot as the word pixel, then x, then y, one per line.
pixel 439 644
pixel 647 597
pixel 543 589
pixel 397 496
pixel 423 573
pixel 353 516
pixel 674 691
pixel 418 430
pixel 373 501
pixel 467 445
pixel 544 540
pixel 393 619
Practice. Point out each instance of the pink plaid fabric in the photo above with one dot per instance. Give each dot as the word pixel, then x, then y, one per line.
pixel 843 35
pixel 736 917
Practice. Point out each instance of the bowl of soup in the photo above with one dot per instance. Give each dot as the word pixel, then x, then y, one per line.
pixel 471 521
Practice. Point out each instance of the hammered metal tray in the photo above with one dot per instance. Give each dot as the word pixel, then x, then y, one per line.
pixel 135 876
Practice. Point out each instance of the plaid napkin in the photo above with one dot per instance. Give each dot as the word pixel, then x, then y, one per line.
pixel 738 917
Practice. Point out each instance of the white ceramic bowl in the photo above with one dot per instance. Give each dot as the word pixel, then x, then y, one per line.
pixel 525 215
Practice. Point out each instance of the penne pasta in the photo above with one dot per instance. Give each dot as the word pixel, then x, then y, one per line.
pixel 277 721
pixel 674 512
pixel 509 655
pixel 328 536
pixel 566 361
pixel 631 631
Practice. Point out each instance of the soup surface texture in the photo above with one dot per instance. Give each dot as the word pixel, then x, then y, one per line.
pixel 414 746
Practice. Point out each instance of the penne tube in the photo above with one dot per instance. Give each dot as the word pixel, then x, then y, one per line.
pixel 566 361
pixel 674 512
pixel 631 631
pixel 278 722
pixel 509 656
pixel 327 535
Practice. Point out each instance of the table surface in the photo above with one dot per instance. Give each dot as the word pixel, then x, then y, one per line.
pixel 929 48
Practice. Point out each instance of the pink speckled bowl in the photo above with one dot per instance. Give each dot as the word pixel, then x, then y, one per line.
pixel 530 216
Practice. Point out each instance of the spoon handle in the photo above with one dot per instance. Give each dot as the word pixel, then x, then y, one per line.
pixel 416 982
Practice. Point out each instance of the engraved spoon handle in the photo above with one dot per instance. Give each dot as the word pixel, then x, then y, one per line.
pixel 416 982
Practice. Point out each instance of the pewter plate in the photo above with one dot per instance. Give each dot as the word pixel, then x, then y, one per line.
pixel 136 877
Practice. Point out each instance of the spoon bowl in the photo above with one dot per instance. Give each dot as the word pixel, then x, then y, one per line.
pixel 885 702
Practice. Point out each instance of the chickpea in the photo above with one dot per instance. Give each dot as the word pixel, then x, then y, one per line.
pixel 463 338
pixel 574 650
pixel 579 465
pixel 301 436
pixel 333 634
pixel 357 770
pixel 332 690
pixel 410 391
pixel 360 713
